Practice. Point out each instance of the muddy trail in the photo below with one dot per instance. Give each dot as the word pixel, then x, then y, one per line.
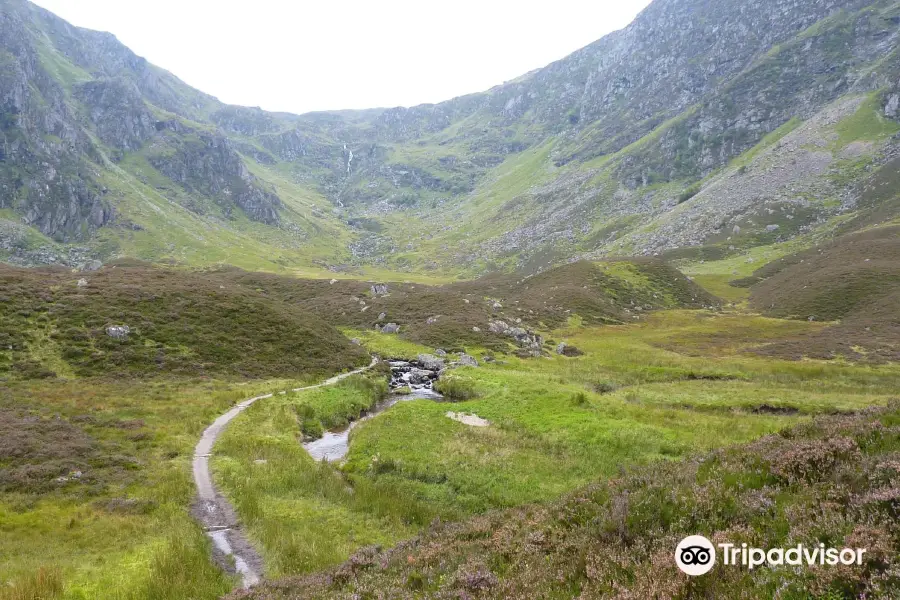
pixel 215 513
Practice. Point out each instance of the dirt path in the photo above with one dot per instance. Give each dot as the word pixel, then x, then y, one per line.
pixel 215 513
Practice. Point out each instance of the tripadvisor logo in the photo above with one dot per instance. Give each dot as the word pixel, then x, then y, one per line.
pixel 696 555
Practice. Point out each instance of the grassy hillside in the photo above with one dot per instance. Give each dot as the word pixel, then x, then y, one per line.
pixel 526 176
pixel 55 323
pixel 615 539
pixel 854 279
pixel 460 313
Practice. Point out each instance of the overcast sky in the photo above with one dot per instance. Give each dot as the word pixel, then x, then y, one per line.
pixel 300 56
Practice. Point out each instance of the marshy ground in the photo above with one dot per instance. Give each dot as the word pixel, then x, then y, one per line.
pixel 98 433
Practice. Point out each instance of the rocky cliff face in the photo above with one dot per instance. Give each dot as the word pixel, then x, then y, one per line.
pixel 118 112
pixel 43 151
pixel 209 165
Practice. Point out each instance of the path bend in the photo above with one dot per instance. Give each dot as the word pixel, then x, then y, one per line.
pixel 214 512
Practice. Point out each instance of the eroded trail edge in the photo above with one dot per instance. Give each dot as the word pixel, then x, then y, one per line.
pixel 214 512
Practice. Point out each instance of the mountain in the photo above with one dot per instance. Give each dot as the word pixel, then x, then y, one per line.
pixel 703 129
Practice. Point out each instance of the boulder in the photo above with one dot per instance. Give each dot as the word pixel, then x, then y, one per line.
pixel 82 282
pixel 418 376
pixel 432 363
pixel 498 327
pixel 91 265
pixel 390 328
pixel 467 360
pixel 379 289
pixel 565 349
pixel 119 332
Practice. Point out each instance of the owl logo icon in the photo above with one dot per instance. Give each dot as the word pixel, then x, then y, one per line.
pixel 695 555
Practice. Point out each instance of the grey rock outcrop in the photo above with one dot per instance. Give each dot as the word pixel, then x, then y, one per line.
pixel 118 332
pixel 523 337
pixel 118 112
pixel 208 164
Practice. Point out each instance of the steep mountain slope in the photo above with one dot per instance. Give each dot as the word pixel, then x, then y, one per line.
pixel 701 121
pixel 101 149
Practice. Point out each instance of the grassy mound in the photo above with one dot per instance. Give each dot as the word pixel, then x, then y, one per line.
pixel 54 322
pixel 458 314
pixel 616 539
pixel 854 279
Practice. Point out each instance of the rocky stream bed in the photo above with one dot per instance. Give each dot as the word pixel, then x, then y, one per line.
pixel 410 380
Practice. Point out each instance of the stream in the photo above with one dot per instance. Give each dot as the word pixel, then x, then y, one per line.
pixel 334 445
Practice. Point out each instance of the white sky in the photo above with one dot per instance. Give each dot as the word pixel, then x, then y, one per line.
pixel 299 56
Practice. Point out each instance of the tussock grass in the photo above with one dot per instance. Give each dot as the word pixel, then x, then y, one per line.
pixel 615 538
pixel 45 584
pixel 305 515
pixel 337 405
pixel 456 389
pixel 121 529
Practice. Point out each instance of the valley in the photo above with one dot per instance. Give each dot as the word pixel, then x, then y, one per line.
pixel 512 345
pixel 104 440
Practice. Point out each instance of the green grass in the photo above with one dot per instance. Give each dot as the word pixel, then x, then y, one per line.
pixel 867 124
pixel 718 284
pixel 615 537
pixel 767 141
pixel 337 405
pixel 674 384
pixel 387 345
pixel 305 516
pixel 122 530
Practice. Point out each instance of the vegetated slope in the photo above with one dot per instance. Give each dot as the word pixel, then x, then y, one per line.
pixel 616 539
pixel 621 148
pixel 454 315
pixel 54 322
pixel 854 279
